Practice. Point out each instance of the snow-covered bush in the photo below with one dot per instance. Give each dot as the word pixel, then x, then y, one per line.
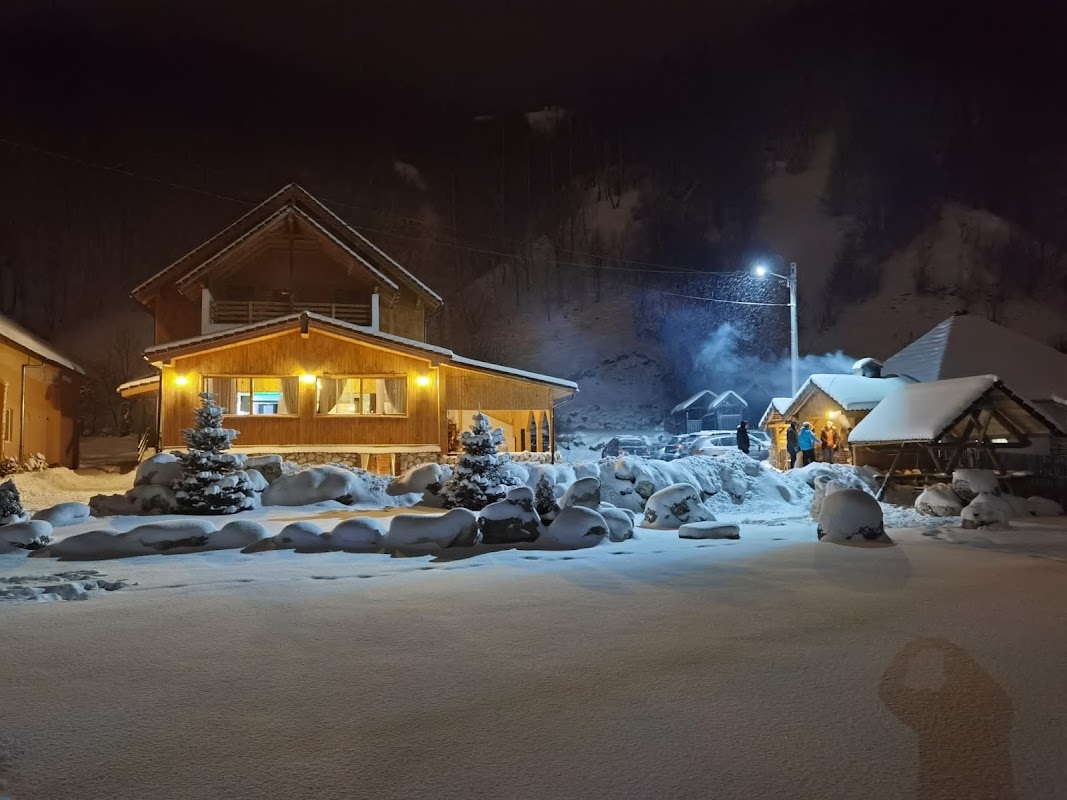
pixel 9 465
pixel 425 479
pixel 620 523
pixel 64 514
pixel 545 501
pixel 34 462
pixel 11 504
pixel 709 530
pixel 212 481
pixel 939 500
pixel 328 482
pixel 481 476
pixel 150 499
pixel 24 536
pixel 455 528
pixel 510 520
pixel 162 469
pixel 583 492
pixel 969 483
pixel 672 507
pixel 576 527
pixel 1043 507
pixel 851 515
pixel 986 509
pixel 357 535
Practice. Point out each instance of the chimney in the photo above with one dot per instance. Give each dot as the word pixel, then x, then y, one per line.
pixel 868 368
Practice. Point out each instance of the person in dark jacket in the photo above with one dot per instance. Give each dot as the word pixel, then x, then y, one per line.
pixel 791 445
pixel 742 437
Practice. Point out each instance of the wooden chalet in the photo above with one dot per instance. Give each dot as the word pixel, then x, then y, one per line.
pixel 708 411
pixel 775 423
pixel 39 395
pixel 314 339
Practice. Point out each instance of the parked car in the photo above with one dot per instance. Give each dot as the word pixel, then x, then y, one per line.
pixel 677 446
pixel 718 442
pixel 627 446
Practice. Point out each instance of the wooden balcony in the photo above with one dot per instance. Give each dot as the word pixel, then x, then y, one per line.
pixel 242 312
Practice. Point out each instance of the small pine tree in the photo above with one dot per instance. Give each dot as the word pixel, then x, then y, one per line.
pixel 479 478
pixel 212 481
pixel 545 500
pixel 10 503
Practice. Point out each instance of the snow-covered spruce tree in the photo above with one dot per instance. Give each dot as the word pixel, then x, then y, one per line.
pixel 11 504
pixel 545 500
pixel 212 481
pixel 479 478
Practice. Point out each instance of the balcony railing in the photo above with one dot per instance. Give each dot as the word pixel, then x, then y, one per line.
pixel 242 312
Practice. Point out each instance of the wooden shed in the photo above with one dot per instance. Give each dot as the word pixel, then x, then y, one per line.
pixel 39 395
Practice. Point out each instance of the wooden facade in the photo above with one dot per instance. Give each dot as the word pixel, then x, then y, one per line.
pixel 39 398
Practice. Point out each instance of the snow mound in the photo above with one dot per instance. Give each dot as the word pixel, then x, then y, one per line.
pixel 575 528
pixel 555 474
pixel 986 509
pixel 969 483
pixel 675 505
pixel 322 483
pixel 844 474
pixel 303 536
pixel 851 516
pixel 64 514
pixel 1043 507
pixel 357 535
pixel 256 479
pixel 162 469
pixel 168 537
pixel 152 499
pixel 56 588
pixel 824 485
pixel 939 500
pixel 237 534
pixel 455 528
pixel 419 479
pixel 583 492
pixel 620 523
pixel 507 522
pixel 709 530
pixel 22 537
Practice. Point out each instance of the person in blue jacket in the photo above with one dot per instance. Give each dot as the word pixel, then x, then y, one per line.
pixel 807 441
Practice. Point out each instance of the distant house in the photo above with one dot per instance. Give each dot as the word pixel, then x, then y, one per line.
pixel 39 395
pixel 314 339
pixel 708 411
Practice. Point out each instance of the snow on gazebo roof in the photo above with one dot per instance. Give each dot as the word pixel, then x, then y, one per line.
pixel 778 405
pixel 19 336
pixel 851 392
pixel 928 412
pixel 965 345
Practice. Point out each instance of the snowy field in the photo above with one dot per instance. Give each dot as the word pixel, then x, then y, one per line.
pixel 773 666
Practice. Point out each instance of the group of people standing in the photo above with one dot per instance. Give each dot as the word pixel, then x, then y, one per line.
pixel 804 442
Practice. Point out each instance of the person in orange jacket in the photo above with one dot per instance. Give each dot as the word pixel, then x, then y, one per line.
pixel 830 441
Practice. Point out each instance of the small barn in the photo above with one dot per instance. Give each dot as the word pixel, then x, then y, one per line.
pixel 708 411
pixel 937 426
pixel 39 394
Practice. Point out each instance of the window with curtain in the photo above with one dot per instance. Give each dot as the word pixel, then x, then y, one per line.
pixel 363 396
pixel 263 396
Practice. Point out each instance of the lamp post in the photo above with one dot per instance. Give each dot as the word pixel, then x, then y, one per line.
pixel 789 280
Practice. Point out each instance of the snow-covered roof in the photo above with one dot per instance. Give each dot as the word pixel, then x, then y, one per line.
pixel 928 412
pixel 967 345
pixel 131 387
pixel 718 401
pixel 685 405
pixel 308 318
pixel 284 199
pixel 35 345
pixel 851 392
pixel 778 406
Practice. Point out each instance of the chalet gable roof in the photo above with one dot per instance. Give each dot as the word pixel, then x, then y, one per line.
pixel 291 199
pixel 851 392
pixel 685 405
pixel 307 320
pixel 18 336
pixel 722 398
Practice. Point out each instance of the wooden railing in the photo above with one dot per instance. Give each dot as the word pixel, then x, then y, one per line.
pixel 242 312
pixel 142 445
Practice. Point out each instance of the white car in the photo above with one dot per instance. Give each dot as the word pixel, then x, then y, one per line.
pixel 718 442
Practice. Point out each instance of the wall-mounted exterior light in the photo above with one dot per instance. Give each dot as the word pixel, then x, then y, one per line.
pixel 181 380
pixel 307 378
pixel 422 380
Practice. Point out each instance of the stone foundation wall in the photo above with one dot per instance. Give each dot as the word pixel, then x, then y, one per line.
pixel 310 459
pixel 405 461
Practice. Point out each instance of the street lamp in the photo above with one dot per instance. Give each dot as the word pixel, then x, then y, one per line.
pixel 790 280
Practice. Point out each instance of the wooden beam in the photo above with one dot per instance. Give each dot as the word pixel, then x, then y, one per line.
pixel 960 447
pixel 1011 426
pixel 889 473
pixel 934 458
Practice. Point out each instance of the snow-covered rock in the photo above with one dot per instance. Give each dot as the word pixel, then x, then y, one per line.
pixel 1043 507
pixel 255 477
pixel 986 509
pixel 521 496
pixel 322 483
pixel 586 469
pixel 620 523
pixel 709 530
pixel 583 492
pixel 357 535
pixel 418 479
pixel 270 467
pixel 576 527
pixel 456 528
pixel 112 505
pixel 1020 506
pixel 237 534
pixel 24 536
pixel 64 514
pixel 969 483
pixel 824 485
pixel 302 536
pixel 162 469
pixel 939 500
pixel 675 505
pixel 169 536
pixel 149 498
pixel 851 515
pixel 507 522
pixel 516 471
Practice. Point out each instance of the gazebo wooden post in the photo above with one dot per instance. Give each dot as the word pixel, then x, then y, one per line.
pixel 889 473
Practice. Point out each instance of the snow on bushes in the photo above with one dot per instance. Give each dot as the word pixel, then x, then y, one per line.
pixel 709 530
pixel 510 520
pixel 675 505
pixel 986 509
pixel 330 482
pixel 24 536
pixel 545 501
pixel 576 527
pixel 64 514
pixel 939 500
pixel 583 492
pixel 851 516
pixel 969 483
pixel 455 528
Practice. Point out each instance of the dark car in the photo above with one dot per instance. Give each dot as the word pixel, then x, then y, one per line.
pixel 627 446
pixel 677 446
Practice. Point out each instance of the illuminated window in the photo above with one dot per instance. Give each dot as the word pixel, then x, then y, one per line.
pixel 9 424
pixel 362 396
pixel 256 396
